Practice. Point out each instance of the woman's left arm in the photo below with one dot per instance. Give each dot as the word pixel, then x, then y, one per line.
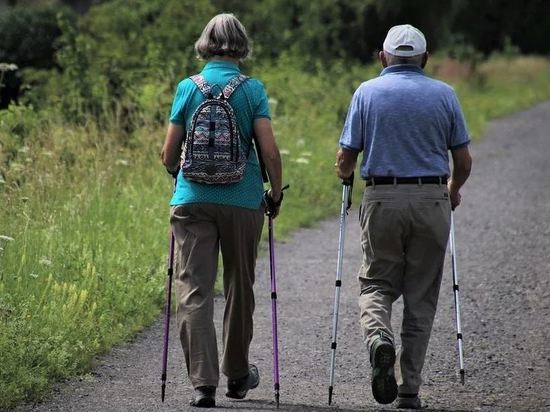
pixel 171 151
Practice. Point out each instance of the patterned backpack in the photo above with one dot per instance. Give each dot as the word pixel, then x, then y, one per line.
pixel 212 152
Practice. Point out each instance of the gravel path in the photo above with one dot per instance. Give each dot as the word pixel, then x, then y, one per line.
pixel 503 243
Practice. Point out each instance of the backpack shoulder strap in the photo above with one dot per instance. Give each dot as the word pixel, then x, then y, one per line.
pixel 202 84
pixel 233 84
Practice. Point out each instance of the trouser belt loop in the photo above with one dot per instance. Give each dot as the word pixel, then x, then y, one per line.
pixel 419 181
pixel 372 182
pixel 395 181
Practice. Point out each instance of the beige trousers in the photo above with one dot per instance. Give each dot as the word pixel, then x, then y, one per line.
pixel 201 230
pixel 405 229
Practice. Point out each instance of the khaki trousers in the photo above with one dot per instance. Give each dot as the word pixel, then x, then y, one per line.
pixel 201 230
pixel 405 229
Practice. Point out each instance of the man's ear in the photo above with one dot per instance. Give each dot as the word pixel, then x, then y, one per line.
pixel 424 60
pixel 382 58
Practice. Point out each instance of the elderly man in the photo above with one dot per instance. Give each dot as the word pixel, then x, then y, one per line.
pixel 405 123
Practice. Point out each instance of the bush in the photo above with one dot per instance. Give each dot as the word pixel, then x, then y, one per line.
pixel 28 35
pixel 28 38
pixel 120 52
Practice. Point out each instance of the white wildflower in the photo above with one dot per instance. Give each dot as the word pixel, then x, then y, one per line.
pixel 23 149
pixel 47 153
pixel 302 160
pixel 300 142
pixel 121 162
pixel 6 238
pixel 273 101
pixel 284 152
pixel 45 261
pixel 8 67
pixel 33 275
pixel 306 154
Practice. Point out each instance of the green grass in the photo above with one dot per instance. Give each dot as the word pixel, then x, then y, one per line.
pixel 499 87
pixel 88 211
pixel 84 268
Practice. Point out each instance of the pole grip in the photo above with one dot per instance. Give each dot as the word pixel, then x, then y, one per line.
pixel 349 180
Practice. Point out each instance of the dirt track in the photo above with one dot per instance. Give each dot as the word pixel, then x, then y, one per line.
pixel 503 245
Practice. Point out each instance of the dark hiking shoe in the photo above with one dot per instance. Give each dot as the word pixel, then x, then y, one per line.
pixel 408 402
pixel 238 388
pixel 382 358
pixel 205 397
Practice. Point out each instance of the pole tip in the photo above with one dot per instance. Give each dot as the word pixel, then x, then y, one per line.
pixel 462 376
pixel 163 390
pixel 330 394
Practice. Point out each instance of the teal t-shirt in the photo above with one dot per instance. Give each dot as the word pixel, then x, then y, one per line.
pixel 249 102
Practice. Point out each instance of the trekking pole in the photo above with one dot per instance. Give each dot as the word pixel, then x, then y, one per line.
pixel 167 315
pixel 167 311
pixel 457 300
pixel 274 307
pixel 274 313
pixel 347 186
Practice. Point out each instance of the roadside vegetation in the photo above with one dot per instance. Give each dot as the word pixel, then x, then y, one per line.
pixel 84 198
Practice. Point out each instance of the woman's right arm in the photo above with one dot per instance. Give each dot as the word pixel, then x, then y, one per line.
pixel 270 155
pixel 171 151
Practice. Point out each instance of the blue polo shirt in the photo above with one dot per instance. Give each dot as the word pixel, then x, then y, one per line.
pixel 405 123
pixel 250 102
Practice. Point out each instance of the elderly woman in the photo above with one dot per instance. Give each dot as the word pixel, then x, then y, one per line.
pixel 207 218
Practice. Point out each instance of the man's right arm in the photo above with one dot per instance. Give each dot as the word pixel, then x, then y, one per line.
pixel 345 162
pixel 351 139
pixel 462 165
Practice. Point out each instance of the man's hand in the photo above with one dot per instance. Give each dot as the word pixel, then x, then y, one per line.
pixel 454 195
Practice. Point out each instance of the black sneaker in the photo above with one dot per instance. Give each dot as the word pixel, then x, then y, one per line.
pixel 238 388
pixel 382 358
pixel 205 397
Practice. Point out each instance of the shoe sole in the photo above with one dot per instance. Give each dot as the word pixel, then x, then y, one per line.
pixel 384 386
pixel 203 403
pixel 409 405
pixel 241 394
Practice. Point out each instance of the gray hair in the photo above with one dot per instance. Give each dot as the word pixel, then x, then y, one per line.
pixel 392 60
pixel 224 35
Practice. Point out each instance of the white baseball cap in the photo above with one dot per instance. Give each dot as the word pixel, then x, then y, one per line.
pixel 405 41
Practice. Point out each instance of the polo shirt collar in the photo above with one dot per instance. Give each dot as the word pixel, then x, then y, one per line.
pixel 221 64
pixel 399 68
